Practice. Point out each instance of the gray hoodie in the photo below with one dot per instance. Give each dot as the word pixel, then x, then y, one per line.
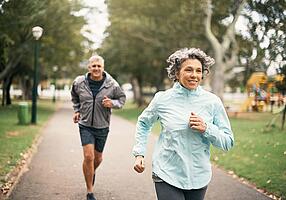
pixel 92 112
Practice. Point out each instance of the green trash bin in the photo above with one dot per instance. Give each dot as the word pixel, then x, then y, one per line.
pixel 23 114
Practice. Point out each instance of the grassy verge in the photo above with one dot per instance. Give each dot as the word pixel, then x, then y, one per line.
pixel 259 154
pixel 16 139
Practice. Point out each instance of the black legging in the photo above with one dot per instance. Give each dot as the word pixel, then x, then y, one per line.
pixel 166 191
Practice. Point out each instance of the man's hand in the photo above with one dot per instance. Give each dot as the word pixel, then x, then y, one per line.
pixel 197 123
pixel 76 117
pixel 139 165
pixel 106 102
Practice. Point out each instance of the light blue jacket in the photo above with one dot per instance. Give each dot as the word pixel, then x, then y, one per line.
pixel 182 156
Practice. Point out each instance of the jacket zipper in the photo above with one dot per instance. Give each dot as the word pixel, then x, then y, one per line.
pixel 93 102
pixel 93 105
pixel 92 115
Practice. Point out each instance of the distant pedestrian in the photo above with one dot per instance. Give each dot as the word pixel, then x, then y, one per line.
pixel 94 95
pixel 191 120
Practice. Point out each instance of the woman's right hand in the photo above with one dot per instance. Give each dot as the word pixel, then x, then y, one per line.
pixel 139 165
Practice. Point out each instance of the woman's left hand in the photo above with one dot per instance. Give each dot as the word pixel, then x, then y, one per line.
pixel 197 123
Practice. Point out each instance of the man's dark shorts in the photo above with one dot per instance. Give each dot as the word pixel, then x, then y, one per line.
pixel 90 135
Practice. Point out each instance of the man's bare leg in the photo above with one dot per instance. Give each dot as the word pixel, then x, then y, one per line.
pixel 97 161
pixel 88 166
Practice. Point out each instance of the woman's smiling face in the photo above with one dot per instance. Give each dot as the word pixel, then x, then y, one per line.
pixel 190 74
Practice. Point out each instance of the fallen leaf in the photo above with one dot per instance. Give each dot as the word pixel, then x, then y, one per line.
pixel 230 172
pixel 13 133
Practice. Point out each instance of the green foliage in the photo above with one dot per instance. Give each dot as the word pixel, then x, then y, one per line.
pixel 271 26
pixel 142 35
pixel 62 44
pixel 265 23
pixel 130 111
pixel 61 40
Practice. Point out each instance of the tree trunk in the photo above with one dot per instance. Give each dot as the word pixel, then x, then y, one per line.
pixel 26 88
pixel 283 117
pixel 8 87
pixel 225 51
pixel 11 66
pixel 6 97
pixel 160 85
pixel 137 91
pixel 3 92
pixel 217 80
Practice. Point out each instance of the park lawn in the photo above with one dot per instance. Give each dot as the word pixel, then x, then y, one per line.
pixel 16 139
pixel 259 154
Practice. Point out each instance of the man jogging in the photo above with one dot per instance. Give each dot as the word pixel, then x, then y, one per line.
pixel 93 96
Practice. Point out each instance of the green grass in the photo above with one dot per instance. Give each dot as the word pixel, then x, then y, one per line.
pixel 129 112
pixel 16 139
pixel 259 154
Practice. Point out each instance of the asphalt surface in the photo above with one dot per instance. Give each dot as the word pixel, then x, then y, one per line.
pixel 55 171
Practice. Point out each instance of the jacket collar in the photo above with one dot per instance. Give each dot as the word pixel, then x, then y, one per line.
pixel 107 82
pixel 182 90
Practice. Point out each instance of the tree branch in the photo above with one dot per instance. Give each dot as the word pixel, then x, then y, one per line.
pixel 232 61
pixel 144 38
pixel 207 23
pixel 230 32
pixel 12 64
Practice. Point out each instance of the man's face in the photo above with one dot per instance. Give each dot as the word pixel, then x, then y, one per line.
pixel 96 69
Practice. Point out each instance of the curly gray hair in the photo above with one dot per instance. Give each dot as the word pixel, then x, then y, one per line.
pixel 178 57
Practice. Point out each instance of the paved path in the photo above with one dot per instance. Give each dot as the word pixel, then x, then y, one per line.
pixel 55 171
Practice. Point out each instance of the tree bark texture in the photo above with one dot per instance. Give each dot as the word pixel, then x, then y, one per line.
pixel 137 91
pixel 225 52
